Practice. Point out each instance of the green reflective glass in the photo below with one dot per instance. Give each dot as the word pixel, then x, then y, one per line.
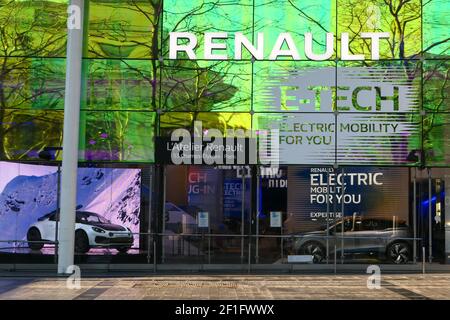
pixel 436 139
pixel 436 86
pixel 24 133
pixel 222 121
pixel 33 28
pixel 120 84
pixel 198 17
pixel 296 18
pixel 401 19
pixel 200 86
pixel 124 29
pixel 36 83
pixel 436 42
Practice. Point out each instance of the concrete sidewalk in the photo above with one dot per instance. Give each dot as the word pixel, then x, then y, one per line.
pixel 394 287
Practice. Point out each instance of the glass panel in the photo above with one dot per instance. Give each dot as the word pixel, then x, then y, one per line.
pixel 294 86
pixel 222 121
pixel 387 86
pixel 33 28
pixel 435 28
pixel 368 213
pixel 272 201
pixel 189 85
pixel 198 17
pixel 436 139
pixel 303 138
pixel 379 120
pixel 121 84
pixel 423 207
pixel 24 133
pixel 27 192
pixel 109 203
pixel 402 19
pixel 436 86
pixel 206 211
pixel 124 29
pixel 377 138
pixel 297 18
pixel 32 83
pixel 440 223
pixel 117 136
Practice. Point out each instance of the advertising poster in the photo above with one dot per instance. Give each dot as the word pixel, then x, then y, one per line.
pixel 203 186
pixel 350 115
pixel 364 192
pixel 29 192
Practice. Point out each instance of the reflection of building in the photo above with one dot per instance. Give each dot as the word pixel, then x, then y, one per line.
pixel 133 96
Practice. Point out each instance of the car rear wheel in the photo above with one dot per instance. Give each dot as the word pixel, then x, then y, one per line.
pixel 315 249
pixel 34 235
pixel 81 242
pixel 398 252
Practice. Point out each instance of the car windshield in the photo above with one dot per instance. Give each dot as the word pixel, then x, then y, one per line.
pixel 90 218
pixel 338 226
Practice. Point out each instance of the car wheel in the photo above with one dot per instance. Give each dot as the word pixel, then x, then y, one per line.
pixel 34 235
pixel 81 242
pixel 398 252
pixel 123 249
pixel 315 249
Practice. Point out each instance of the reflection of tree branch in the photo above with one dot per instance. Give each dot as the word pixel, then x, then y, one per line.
pixel 436 44
pixel 308 17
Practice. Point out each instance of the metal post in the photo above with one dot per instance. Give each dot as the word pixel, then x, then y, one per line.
pixel 66 237
pixel 328 214
pixel 342 216
pixel 163 253
pixel 282 242
pixel 258 194
pixel 335 219
pixel 423 260
pixel 209 244
pixel 149 230
pixel 335 253
pixel 58 204
pixel 154 255
pixel 249 256
pixel 203 246
pixel 415 216
pixel 242 215
pixel 430 229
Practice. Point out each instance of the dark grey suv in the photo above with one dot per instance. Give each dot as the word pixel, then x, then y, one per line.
pixel 383 237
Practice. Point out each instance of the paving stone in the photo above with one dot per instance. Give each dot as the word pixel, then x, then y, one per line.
pixel 231 287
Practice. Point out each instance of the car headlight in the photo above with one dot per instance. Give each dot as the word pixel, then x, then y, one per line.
pixel 99 230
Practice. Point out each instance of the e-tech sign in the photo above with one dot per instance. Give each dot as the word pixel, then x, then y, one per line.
pixel 354 115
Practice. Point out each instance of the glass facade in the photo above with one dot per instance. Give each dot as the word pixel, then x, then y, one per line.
pixel 363 145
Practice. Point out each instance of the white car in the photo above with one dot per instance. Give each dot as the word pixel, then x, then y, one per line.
pixel 91 230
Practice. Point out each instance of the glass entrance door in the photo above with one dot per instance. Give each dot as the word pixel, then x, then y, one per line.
pixel 438 205
pixel 207 214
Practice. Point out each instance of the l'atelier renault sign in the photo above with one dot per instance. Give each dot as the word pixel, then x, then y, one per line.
pixel 204 152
